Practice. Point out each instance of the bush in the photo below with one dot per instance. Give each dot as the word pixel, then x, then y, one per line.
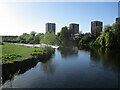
pixel 9 57
pixel 86 40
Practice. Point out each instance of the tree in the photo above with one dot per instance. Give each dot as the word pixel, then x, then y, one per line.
pixel 107 28
pixel 29 39
pixel 22 38
pixel 38 37
pixel 49 38
pixel 107 39
pixel 33 36
pixel 58 39
pixel 100 41
pixel 85 40
pixel 33 33
pixel 116 31
pixel 65 35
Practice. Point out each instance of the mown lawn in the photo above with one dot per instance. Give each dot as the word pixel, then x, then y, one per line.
pixel 12 52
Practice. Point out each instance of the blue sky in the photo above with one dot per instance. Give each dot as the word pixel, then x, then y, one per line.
pixel 24 17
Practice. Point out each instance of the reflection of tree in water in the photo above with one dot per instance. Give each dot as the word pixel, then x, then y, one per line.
pixel 68 51
pixel 108 57
pixel 48 67
pixel 94 55
pixel 85 48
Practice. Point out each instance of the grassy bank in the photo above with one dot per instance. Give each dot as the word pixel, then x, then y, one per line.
pixel 12 53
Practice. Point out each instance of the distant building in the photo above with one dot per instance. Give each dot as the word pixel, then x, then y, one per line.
pixel 50 27
pixel 77 36
pixel 117 19
pixel 74 27
pixel 96 28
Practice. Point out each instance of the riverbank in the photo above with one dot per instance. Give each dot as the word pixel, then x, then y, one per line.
pixel 37 45
pixel 14 53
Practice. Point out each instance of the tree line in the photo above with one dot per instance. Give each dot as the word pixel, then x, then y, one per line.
pixel 110 37
pixel 62 38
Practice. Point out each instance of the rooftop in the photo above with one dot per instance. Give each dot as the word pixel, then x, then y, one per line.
pixel 74 23
pixel 96 21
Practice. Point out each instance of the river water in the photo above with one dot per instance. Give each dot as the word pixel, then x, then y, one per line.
pixel 69 67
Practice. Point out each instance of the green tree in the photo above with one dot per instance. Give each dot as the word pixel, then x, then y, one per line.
pixel 49 38
pixel 33 33
pixel 116 31
pixel 65 35
pixel 107 39
pixel 85 40
pixel 107 28
pixel 22 38
pixel 29 39
pixel 38 37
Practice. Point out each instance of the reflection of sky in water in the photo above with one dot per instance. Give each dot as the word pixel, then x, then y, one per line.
pixel 70 67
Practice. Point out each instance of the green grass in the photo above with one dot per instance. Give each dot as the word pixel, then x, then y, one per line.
pixel 12 52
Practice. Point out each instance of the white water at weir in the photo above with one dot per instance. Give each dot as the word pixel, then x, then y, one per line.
pixel 37 45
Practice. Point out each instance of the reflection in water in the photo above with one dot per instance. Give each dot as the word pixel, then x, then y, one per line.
pixel 48 67
pixel 68 51
pixel 94 56
pixel 107 57
pixel 72 73
pixel 85 48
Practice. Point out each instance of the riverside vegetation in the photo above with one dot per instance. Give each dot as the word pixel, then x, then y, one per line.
pixel 110 38
pixel 13 53
pixel 62 38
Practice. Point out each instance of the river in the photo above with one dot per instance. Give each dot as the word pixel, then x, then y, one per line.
pixel 69 67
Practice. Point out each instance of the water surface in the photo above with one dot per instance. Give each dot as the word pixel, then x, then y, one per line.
pixel 69 67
